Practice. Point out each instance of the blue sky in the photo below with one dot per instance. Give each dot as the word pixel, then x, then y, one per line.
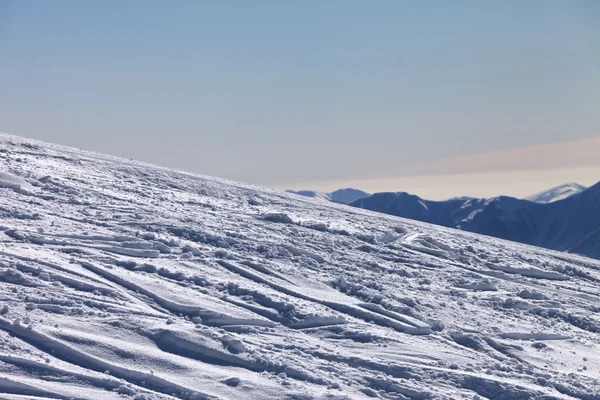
pixel 282 93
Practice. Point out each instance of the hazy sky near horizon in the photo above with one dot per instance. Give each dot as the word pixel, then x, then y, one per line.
pixel 317 92
pixel 518 172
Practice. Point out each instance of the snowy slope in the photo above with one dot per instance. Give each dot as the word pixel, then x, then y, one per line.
pixel 121 280
pixel 557 193
pixel 343 196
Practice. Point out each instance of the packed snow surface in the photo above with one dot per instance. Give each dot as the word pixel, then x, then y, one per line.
pixel 121 280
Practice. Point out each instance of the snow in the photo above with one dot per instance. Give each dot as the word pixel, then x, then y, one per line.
pixel 556 193
pixel 123 280
pixel 343 196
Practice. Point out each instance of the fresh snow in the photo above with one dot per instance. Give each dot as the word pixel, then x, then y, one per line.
pixel 556 193
pixel 122 280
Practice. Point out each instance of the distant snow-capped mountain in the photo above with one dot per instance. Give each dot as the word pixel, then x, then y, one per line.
pixel 344 196
pixel 557 193
pixel 570 224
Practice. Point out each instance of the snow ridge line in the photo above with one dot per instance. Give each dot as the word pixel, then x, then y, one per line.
pixel 351 310
pixel 21 389
pixel 106 382
pixel 169 341
pixel 66 353
pixel 209 317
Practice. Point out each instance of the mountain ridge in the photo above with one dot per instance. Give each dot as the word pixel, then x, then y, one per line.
pixel 568 224
pixel 556 193
pixel 342 196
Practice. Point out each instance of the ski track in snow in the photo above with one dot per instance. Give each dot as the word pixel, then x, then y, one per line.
pixel 119 279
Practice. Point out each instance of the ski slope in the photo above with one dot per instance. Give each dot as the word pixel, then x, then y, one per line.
pixel 122 280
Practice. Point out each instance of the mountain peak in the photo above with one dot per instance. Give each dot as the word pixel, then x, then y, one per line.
pixel 343 196
pixel 556 193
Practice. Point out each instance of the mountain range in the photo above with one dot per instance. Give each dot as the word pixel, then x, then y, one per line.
pixel 569 224
pixel 564 218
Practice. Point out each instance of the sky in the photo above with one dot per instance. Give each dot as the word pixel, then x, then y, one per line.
pixel 518 172
pixel 315 94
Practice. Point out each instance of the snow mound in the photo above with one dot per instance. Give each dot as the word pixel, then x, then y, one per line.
pixel 15 183
pixel 123 280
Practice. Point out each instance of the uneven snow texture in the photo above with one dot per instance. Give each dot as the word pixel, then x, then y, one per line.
pixel 121 280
